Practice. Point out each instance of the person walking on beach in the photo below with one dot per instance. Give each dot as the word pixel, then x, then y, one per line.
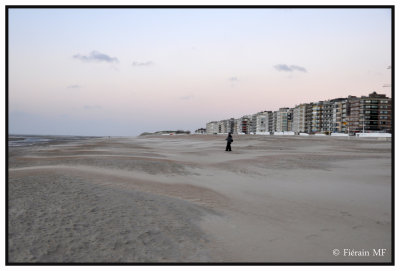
pixel 229 140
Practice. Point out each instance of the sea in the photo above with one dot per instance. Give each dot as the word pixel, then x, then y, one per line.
pixel 30 140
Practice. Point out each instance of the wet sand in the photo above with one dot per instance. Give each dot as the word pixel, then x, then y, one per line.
pixel 184 199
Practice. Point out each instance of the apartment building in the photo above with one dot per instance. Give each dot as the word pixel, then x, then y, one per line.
pixel 212 127
pixel 222 126
pixel 231 125
pixel 274 120
pixel 290 119
pixel 385 115
pixel 201 131
pixel 340 115
pixel 327 122
pixel 270 126
pixel 309 117
pixel 282 124
pixel 236 126
pixel 354 114
pixel 299 118
pixel 264 122
pixel 243 125
pixel 261 123
pixel 316 119
pixel 375 113
pixel 253 124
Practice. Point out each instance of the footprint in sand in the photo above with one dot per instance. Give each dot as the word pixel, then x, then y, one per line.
pixel 357 227
pixel 327 230
pixel 274 239
pixel 343 213
pixel 312 236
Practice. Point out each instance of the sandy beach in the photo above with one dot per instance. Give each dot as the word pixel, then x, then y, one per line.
pixel 184 199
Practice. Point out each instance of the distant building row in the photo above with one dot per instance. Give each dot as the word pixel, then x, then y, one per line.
pixel 342 115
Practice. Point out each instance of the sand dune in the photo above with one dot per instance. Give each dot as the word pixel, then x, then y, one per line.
pixel 184 199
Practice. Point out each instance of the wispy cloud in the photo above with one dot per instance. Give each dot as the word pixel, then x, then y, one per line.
pixel 233 79
pixel 187 97
pixel 95 56
pixel 141 64
pixel 291 68
pixel 74 86
pixel 92 107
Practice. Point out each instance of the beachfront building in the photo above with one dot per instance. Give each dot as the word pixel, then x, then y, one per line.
pixel 340 114
pixel 316 119
pixel 236 126
pixel 201 131
pixel 253 124
pixel 221 127
pixel 385 115
pixel 231 125
pixel 327 122
pixel 227 126
pixel 212 127
pixel 354 114
pixel 309 117
pixel 270 124
pixel 243 125
pixel 375 113
pixel 290 119
pixel 274 118
pixel 261 123
pixel 299 118
pixel 264 122
pixel 282 119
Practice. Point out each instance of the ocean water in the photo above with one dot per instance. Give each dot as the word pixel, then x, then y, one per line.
pixel 30 140
pixel 21 141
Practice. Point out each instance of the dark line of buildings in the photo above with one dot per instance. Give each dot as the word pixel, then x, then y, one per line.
pixel 372 113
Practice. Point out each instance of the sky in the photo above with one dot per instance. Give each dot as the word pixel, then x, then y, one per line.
pixel 121 72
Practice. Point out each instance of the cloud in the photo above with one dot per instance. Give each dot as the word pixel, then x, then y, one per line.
pixel 74 86
pixel 298 68
pixel 141 64
pixel 291 68
pixel 95 56
pixel 187 97
pixel 233 79
pixel 92 107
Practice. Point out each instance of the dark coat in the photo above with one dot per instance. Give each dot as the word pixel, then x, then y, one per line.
pixel 229 139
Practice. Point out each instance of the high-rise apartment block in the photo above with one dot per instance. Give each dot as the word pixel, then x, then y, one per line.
pixel 375 113
pixel 340 115
pixel 264 122
pixel 282 119
pixel 212 127
pixel 299 118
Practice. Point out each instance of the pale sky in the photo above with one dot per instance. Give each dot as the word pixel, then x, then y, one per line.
pixel 121 72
